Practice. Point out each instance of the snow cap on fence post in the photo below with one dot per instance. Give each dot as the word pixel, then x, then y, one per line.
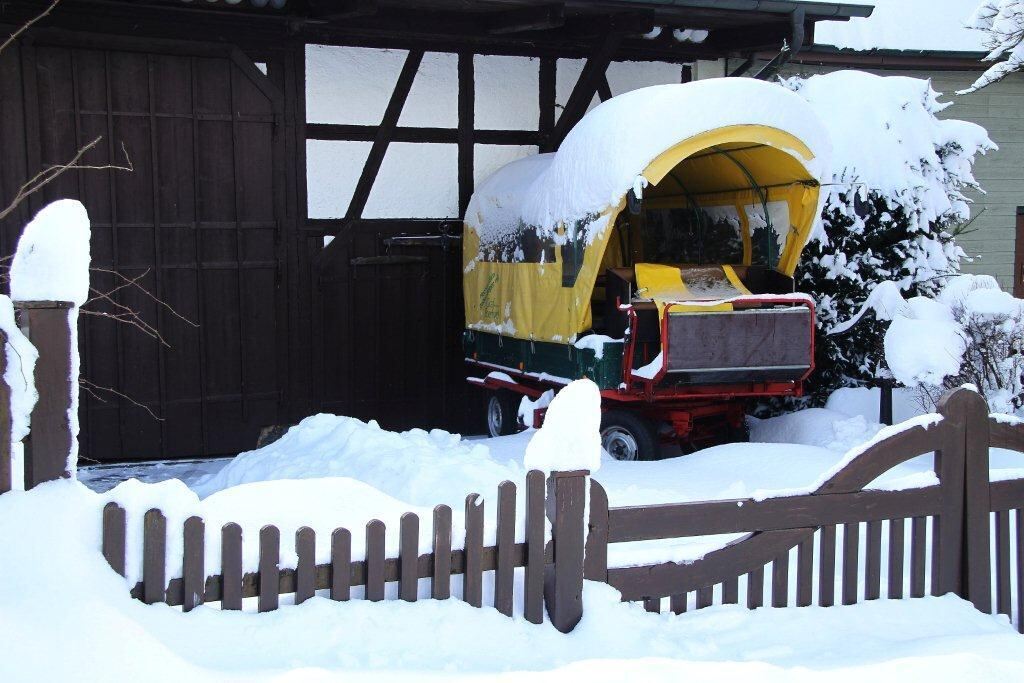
pixel 49 282
pixel 567 448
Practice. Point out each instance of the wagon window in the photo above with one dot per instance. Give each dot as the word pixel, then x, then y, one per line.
pixel 685 235
pixel 768 232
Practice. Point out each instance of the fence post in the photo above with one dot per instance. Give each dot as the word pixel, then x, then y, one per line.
pixel 948 534
pixel 977 562
pixel 563 581
pixel 6 462
pixel 49 444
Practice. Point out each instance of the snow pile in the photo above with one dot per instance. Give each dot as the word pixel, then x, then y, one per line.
pixel 528 407
pixel 19 375
pixel 601 157
pixel 51 538
pixel 416 466
pixel 887 139
pixel 1002 25
pixel 570 438
pixel 51 263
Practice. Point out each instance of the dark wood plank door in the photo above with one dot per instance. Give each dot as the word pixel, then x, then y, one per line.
pixel 197 222
pixel 391 317
pixel 1018 256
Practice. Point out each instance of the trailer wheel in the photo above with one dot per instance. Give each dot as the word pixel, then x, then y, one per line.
pixel 628 436
pixel 502 413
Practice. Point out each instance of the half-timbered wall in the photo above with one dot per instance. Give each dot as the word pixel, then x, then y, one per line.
pixel 396 142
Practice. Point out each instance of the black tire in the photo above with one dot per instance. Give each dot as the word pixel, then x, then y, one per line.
pixel 502 413
pixel 629 436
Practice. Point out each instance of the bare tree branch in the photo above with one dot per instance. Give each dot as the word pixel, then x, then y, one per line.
pixel 133 282
pixel 24 27
pixel 51 173
pixel 93 388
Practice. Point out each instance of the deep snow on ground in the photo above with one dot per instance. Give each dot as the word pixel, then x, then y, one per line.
pixel 72 619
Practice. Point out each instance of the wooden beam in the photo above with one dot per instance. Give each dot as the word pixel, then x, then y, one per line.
pixel 384 135
pixel 604 91
pixel 546 96
pixel 358 133
pixel 586 87
pixel 332 10
pixel 466 107
pixel 540 18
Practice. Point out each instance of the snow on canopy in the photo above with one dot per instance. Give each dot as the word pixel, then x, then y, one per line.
pixel 603 156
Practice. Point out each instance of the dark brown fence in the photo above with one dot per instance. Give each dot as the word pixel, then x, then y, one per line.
pixel 229 586
pixel 842 543
pixel 946 550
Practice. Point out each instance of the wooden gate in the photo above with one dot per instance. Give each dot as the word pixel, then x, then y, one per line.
pixel 197 222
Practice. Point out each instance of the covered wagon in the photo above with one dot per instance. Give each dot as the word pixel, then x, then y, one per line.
pixel 653 253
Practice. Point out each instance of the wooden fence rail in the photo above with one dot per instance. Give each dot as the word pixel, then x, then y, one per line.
pixel 841 543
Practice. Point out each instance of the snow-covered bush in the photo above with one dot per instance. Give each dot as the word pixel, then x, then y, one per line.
pixel 970 332
pixel 895 201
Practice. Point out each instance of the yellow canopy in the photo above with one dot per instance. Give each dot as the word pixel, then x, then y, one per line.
pixel 536 282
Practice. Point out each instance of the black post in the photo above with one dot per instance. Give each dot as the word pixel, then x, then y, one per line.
pixel 6 464
pixel 48 446
pixel 885 401
pixel 563 581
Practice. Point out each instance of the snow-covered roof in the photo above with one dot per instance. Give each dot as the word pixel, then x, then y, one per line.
pixel 603 156
pixel 915 25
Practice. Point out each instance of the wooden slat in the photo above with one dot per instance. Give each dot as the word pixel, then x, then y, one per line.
pixel 677 603
pixel 341 564
pixel 305 570
pixel 231 566
pixel 6 457
pixel 896 536
pixel 918 531
pixel 408 557
pixel 375 560
pixel 1003 595
pixel 755 588
pixel 595 554
pixel 1019 516
pixel 805 573
pixel 731 591
pixel 652 605
pixel 677 520
pixel 270 557
pixel 873 562
pixel 113 536
pixel 705 597
pixel 154 552
pixel 533 598
pixel 780 581
pixel 827 567
pixel 440 579
pixel 506 539
pixel 193 571
pixel 472 587
pixel 851 557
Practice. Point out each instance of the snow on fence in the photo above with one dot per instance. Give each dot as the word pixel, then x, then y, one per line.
pixel 844 538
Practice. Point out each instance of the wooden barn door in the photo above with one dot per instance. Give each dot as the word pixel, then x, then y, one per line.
pixel 391 315
pixel 196 222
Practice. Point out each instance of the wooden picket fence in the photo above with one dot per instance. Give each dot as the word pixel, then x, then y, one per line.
pixel 958 519
pixel 231 585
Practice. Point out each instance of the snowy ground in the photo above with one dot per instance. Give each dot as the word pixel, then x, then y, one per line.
pixel 72 619
pixel 335 471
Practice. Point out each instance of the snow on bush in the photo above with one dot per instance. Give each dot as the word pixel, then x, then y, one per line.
pixel 1003 24
pixel 51 263
pixel 570 438
pixel 895 200
pixel 971 332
